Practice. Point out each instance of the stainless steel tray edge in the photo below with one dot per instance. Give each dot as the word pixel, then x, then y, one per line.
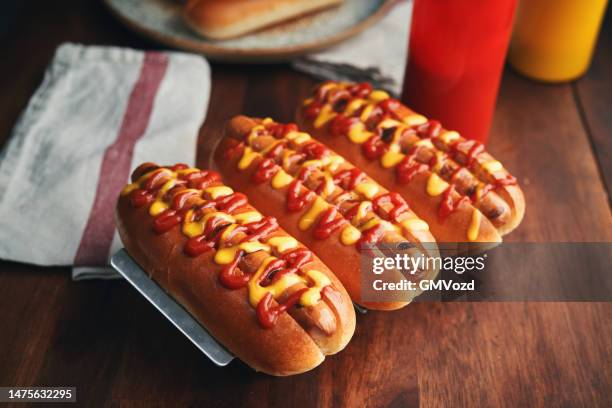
pixel 163 302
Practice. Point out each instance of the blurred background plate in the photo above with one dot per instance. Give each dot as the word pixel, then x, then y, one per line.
pixel 161 21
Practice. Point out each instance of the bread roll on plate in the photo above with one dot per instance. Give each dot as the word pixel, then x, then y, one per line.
pixel 223 19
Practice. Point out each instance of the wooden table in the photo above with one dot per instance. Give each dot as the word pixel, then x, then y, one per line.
pixel 115 348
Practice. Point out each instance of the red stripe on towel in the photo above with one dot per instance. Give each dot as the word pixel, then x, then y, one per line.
pixel 98 234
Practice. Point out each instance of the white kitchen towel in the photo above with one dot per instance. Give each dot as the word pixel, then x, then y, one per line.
pixel 99 112
pixel 377 55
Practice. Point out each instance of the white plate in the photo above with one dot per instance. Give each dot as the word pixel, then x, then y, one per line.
pixel 161 20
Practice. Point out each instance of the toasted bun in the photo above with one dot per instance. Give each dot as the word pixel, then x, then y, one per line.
pixel 286 348
pixel 343 259
pixel 223 19
pixel 481 219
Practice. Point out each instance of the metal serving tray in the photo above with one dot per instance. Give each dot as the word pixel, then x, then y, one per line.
pixel 178 316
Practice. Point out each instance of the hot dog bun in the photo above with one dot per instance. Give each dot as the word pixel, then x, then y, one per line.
pixel 452 183
pixel 308 188
pixel 223 19
pixel 168 216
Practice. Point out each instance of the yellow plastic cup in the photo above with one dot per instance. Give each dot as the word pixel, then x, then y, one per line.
pixel 553 40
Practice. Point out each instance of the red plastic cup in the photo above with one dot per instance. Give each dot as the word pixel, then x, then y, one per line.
pixel 456 56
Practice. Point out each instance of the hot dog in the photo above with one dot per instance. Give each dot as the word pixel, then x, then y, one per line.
pixel 257 290
pixel 320 198
pixel 452 183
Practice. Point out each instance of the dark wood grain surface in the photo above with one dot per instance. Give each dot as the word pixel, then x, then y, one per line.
pixel 116 349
